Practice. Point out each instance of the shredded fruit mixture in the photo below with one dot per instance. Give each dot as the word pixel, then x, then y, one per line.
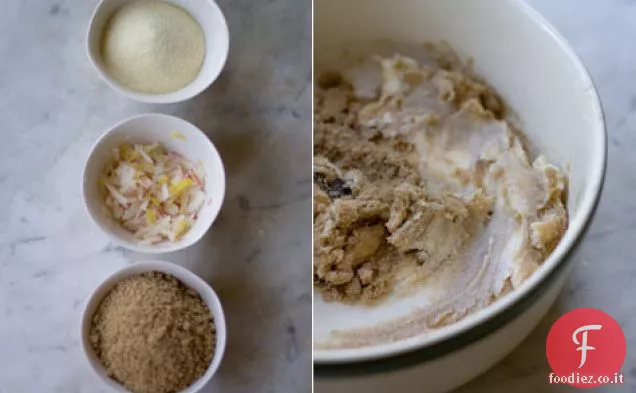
pixel 154 193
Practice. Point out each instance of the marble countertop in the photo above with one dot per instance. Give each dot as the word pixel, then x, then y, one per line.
pixel 602 33
pixel 53 107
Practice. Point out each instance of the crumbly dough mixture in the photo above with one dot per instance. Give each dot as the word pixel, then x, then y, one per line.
pixel 425 179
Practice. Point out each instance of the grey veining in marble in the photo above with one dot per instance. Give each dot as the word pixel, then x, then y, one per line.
pixel 602 33
pixel 257 256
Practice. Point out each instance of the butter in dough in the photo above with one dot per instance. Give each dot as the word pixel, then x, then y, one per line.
pixel 427 175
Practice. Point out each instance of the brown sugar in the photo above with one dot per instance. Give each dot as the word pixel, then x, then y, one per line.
pixel 153 334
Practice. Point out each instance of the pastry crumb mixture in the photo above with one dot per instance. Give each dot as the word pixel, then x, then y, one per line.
pixel 426 180
pixel 153 334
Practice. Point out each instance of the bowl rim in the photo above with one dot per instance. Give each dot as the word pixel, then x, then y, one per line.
pixel 174 97
pixel 335 363
pixel 219 186
pixel 166 267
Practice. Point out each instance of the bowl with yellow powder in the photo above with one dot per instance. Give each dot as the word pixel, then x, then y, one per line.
pixel 158 51
pixel 154 327
pixel 154 183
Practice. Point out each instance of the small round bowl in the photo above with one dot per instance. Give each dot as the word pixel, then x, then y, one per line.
pixel 149 128
pixel 187 278
pixel 209 16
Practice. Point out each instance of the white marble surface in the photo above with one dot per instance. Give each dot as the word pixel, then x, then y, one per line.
pixel 257 256
pixel 602 32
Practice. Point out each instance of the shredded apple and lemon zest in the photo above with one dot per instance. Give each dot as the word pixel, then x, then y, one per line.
pixel 154 193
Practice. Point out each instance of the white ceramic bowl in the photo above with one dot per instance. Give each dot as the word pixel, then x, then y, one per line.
pixel 150 128
pixel 190 280
pixel 543 81
pixel 209 16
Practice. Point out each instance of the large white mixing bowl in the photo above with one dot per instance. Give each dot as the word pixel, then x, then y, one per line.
pixel 543 81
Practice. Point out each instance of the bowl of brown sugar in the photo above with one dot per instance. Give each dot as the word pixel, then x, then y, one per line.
pixel 154 327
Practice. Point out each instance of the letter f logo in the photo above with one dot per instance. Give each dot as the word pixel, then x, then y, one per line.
pixel 584 347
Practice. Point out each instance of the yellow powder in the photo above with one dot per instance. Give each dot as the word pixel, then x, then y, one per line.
pixel 153 47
